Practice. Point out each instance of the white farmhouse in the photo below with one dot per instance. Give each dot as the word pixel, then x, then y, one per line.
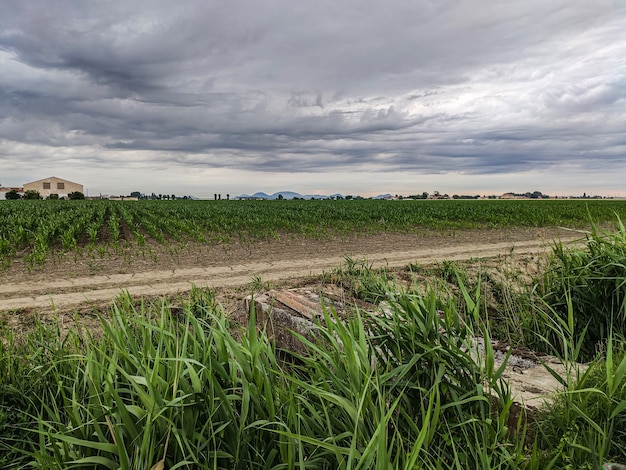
pixel 54 185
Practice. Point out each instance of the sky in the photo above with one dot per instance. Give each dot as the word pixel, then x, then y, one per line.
pixel 326 96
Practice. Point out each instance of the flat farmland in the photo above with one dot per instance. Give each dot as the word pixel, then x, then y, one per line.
pixel 62 254
pixel 123 323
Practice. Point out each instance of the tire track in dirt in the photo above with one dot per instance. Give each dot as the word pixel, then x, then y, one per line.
pixel 64 294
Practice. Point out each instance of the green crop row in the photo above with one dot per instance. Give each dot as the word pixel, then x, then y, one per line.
pixel 33 229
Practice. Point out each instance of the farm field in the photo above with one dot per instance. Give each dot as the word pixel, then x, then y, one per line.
pixel 64 253
pixel 175 374
pixel 35 231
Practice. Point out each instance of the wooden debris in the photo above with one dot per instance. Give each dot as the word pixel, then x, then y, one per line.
pixel 298 303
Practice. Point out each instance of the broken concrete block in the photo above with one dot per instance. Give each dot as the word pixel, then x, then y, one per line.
pixel 297 310
pixel 284 312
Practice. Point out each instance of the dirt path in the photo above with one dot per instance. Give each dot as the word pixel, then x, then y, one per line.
pixel 238 265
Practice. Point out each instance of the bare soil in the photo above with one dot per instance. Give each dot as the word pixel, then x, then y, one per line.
pixel 71 282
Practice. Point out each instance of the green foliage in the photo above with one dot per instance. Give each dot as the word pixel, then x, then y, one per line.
pixel 586 425
pixel 27 365
pixel 175 385
pixel 406 388
pixel 101 222
pixel 75 195
pixel 12 195
pixel 32 194
pixel 591 282
pixel 362 281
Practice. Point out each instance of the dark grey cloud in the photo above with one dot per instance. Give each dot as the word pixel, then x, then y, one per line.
pixel 422 86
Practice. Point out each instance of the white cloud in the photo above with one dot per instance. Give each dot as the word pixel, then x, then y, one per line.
pixel 356 94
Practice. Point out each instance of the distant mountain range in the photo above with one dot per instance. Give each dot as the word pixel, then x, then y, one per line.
pixel 286 195
pixel 294 195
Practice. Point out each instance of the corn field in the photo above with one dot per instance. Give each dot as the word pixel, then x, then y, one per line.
pixel 32 230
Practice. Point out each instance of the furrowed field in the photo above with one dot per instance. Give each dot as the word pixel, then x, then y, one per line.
pixel 395 382
pixel 34 229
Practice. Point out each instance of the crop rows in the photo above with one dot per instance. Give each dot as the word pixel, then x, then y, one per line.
pixel 34 229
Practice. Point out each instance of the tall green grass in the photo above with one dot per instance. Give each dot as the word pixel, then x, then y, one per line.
pixel 585 424
pixel 179 386
pixel 176 385
pixel 591 282
pixel 585 427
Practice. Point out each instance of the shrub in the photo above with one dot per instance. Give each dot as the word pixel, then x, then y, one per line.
pixel 13 195
pixel 75 195
pixel 32 194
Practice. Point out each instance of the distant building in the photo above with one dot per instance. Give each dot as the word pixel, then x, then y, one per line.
pixel 122 198
pixel 4 191
pixel 54 185
pixel 437 195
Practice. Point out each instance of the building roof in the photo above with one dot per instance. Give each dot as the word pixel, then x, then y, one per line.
pixel 52 177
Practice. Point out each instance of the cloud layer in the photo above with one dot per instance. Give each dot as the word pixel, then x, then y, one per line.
pixel 198 96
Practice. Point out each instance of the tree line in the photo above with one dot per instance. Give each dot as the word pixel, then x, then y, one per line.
pixel 33 194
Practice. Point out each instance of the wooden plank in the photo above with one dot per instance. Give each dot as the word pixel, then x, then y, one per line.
pixel 314 306
pixel 295 304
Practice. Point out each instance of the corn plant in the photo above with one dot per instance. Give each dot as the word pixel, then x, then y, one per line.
pixel 114 228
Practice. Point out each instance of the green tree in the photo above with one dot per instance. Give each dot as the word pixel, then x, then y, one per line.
pixel 13 194
pixel 32 194
pixel 76 195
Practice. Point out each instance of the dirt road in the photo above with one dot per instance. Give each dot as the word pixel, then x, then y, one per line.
pixel 65 285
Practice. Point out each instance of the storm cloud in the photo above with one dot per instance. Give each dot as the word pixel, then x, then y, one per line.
pixel 201 96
